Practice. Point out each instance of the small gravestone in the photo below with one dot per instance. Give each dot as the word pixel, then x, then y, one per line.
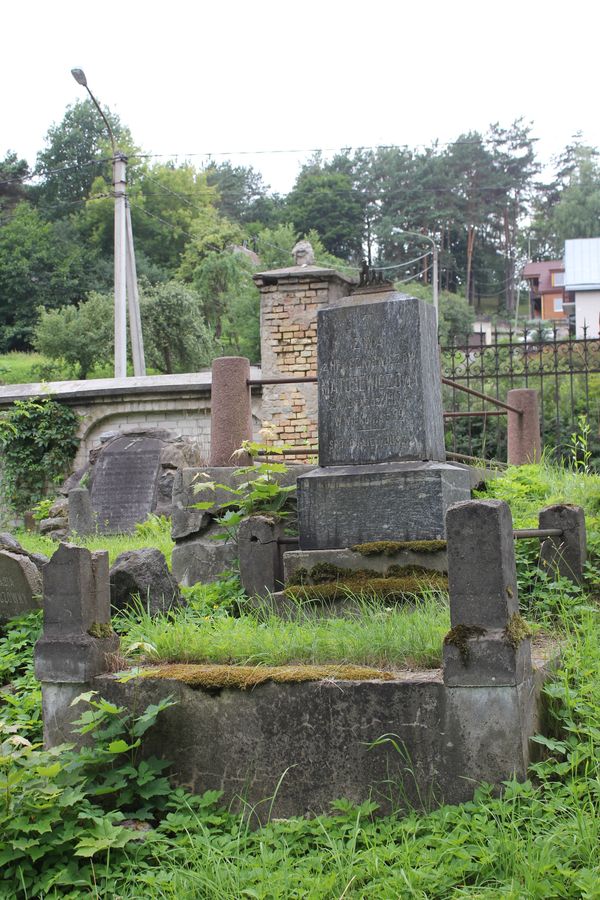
pixel 20 586
pixel 124 484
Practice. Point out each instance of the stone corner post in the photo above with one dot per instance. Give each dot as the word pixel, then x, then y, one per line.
pixel 487 645
pixel 77 635
pixel 564 554
pixel 231 411
pixel 524 441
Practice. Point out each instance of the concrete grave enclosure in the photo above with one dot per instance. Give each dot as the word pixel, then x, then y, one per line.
pixel 305 744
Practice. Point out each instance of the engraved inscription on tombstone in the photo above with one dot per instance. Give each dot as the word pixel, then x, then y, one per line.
pixel 124 483
pixel 20 585
pixel 380 393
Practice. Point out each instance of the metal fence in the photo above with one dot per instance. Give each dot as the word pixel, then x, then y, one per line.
pixel 564 371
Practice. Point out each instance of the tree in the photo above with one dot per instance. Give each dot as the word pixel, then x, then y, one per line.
pixel 80 336
pixel 325 201
pixel 77 151
pixel 13 172
pixel 39 266
pixel 176 337
pixel 576 212
pixel 242 195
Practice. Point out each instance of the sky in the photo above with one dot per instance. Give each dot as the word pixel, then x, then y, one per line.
pixel 192 78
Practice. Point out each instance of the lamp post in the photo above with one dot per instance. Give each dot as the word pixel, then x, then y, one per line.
pixel 434 274
pixel 125 273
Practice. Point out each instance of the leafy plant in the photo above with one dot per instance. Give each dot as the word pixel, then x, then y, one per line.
pixel 38 441
pixel 262 492
pixel 579 446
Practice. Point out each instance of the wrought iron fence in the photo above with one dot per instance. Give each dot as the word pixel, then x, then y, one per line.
pixel 564 371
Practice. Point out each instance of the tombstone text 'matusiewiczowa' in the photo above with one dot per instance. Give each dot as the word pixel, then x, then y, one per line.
pixel 382 470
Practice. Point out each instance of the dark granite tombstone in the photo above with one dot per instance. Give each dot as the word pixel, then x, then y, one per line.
pixel 380 393
pixel 382 473
pixel 124 483
pixel 20 585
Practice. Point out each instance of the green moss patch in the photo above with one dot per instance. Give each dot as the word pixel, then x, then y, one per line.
pixel 460 635
pixel 244 677
pixel 517 630
pixel 394 587
pixel 390 548
pixel 101 630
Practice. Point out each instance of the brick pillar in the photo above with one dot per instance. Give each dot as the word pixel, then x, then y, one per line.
pixel 524 443
pixel 289 301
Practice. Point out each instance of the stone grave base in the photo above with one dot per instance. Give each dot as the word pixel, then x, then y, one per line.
pixel 340 506
pixel 308 744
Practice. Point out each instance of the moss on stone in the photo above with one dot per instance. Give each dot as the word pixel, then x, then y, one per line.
pixel 391 589
pixel 300 576
pixel 244 677
pixel 459 637
pixel 517 630
pixel 101 630
pixel 324 572
pixel 390 548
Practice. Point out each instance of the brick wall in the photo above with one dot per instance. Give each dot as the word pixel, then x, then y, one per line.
pixel 290 300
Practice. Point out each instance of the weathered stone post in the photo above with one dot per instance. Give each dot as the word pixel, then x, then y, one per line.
pixel 231 410
pixel 524 442
pixel 77 634
pixel 487 644
pixel 491 707
pixel 261 564
pixel 565 554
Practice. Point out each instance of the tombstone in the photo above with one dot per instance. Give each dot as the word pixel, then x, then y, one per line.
pixel 382 473
pixel 20 586
pixel 124 482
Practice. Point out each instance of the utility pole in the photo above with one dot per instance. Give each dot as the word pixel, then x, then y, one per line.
pixel 126 290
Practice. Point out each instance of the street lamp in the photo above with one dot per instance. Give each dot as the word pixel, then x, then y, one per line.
pixel 126 292
pixel 434 274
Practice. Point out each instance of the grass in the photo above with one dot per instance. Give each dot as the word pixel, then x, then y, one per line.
pixel 19 368
pixel 155 532
pixel 394 637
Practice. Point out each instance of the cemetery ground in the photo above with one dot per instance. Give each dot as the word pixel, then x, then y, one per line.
pixel 103 823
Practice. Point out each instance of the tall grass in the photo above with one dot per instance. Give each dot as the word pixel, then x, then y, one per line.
pixel 391 637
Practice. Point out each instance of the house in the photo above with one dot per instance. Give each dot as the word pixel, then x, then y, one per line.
pixel 546 289
pixel 582 281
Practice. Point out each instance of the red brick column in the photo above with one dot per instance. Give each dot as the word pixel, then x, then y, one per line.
pixel 524 442
pixel 231 410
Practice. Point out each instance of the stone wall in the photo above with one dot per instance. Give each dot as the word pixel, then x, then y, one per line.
pixel 289 302
pixel 177 403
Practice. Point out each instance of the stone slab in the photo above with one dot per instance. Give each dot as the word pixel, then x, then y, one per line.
pixel 402 501
pixel 348 559
pixel 201 558
pixel 20 586
pixel 380 392
pixel 124 482
pixel 187 490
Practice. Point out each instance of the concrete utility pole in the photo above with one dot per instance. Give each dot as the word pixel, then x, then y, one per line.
pixel 126 291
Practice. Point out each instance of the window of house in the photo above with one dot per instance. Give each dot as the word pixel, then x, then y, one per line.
pixel 558 304
pixel 558 279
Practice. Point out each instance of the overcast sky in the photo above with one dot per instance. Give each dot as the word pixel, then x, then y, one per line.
pixel 193 77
